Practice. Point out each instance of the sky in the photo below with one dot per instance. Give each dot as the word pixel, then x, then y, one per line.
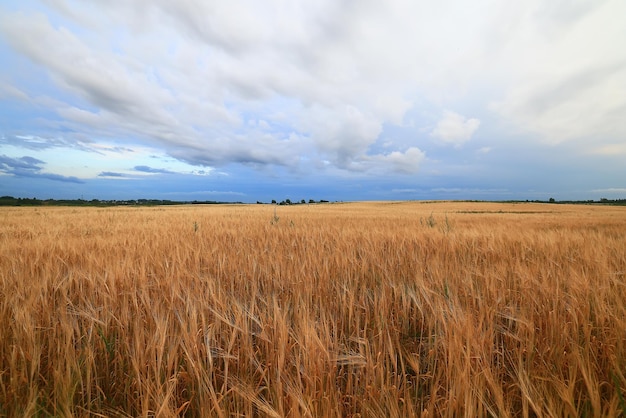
pixel 343 100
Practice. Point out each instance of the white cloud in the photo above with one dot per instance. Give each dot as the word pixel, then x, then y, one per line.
pixel 610 150
pixel 190 94
pixel 341 134
pixel 9 91
pixel 455 129
pixel 408 162
pixel 566 72
pixel 313 85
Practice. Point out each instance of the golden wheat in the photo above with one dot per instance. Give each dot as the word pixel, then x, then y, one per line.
pixel 365 309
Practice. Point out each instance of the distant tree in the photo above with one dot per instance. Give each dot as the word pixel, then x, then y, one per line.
pixel 311 201
pixel 287 202
pixel 551 200
pixel 303 201
pixel 273 201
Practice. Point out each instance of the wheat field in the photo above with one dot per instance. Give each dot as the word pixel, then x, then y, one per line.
pixel 378 309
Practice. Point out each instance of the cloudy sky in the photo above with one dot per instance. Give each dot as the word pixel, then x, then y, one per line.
pixel 243 100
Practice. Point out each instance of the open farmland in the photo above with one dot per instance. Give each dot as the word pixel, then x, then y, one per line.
pixel 361 309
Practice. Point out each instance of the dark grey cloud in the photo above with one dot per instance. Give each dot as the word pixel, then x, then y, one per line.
pixel 146 169
pixel 23 163
pixel 110 174
pixel 50 176
pixel 38 143
pixel 31 167
pixel 31 143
